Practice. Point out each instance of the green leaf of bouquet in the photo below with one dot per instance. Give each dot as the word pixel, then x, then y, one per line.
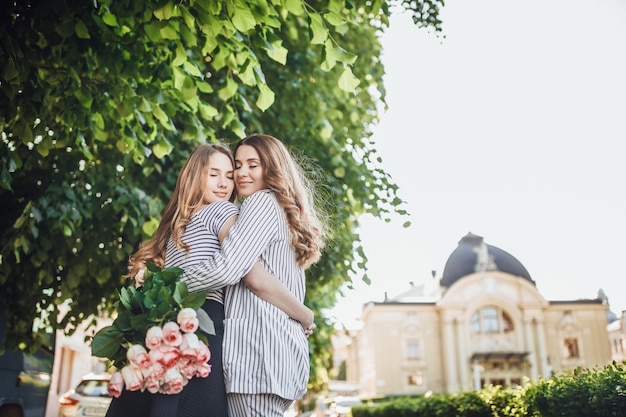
pixel 163 311
pixel 137 300
pixel 151 267
pixel 148 301
pixel 180 292
pixel 122 322
pixel 205 322
pixel 203 338
pixel 168 298
pixel 194 300
pixel 171 274
pixel 107 342
pixel 140 322
pixel 125 298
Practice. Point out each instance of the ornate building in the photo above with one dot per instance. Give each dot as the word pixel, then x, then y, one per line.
pixel 484 322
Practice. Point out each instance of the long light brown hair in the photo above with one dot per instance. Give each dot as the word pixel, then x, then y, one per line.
pixel 187 198
pixel 294 192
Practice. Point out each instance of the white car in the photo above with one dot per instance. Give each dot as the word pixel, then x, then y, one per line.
pixel 89 398
pixel 343 405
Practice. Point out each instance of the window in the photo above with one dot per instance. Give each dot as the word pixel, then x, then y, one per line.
pixel 491 320
pixel 571 348
pixel 413 349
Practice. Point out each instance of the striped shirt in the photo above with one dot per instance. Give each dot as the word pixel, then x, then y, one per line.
pixel 201 234
pixel 265 351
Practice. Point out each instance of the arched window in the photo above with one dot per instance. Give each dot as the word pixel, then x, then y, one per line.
pixel 491 320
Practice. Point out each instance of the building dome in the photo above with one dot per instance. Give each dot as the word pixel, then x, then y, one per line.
pixel 474 255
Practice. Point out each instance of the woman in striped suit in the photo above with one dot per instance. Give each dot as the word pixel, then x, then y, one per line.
pixel 194 223
pixel 266 356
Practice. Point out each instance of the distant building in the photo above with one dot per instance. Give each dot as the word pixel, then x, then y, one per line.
pixel 617 336
pixel 484 322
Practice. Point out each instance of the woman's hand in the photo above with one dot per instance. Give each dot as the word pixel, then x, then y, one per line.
pixel 308 321
pixel 308 331
pixel 139 278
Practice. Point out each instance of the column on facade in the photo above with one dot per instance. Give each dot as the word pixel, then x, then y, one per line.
pixel 476 370
pixel 530 348
pixel 449 343
pixel 463 360
pixel 543 355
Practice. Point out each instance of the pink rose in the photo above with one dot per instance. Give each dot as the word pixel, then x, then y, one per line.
pixel 171 334
pixel 188 370
pixel 204 354
pixel 154 337
pixel 167 356
pixel 190 347
pixel 156 372
pixel 152 385
pixel 115 385
pixel 156 356
pixel 133 378
pixel 203 370
pixel 138 356
pixel 173 381
pixel 188 320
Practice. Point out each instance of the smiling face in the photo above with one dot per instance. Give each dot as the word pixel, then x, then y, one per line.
pixel 220 183
pixel 249 173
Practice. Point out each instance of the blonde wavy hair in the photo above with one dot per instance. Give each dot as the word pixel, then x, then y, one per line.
pixel 187 198
pixel 294 192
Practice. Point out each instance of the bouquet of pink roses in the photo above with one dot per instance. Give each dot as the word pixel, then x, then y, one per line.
pixel 154 341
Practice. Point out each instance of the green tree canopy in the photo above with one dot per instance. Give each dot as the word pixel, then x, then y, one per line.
pixel 102 101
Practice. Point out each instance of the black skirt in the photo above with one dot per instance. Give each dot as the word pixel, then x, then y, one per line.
pixel 201 397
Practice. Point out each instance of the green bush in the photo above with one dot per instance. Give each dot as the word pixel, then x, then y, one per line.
pixel 577 393
pixel 580 392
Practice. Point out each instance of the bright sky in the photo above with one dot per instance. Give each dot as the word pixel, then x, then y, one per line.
pixel 513 128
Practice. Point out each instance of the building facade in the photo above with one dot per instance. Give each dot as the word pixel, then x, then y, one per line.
pixel 617 336
pixel 484 322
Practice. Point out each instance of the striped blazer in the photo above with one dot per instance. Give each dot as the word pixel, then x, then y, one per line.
pixel 265 351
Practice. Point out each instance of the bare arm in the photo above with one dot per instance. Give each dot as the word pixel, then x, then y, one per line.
pixel 269 288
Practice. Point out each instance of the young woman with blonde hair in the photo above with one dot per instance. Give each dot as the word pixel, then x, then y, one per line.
pixel 266 355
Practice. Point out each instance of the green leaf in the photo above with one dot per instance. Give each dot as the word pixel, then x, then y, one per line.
pixel 162 148
pixel 81 30
pixel 180 292
pixel 107 342
pixel 207 111
pixel 348 82
pixel 166 12
pixel 194 300
pixel 266 97
pixel 180 56
pixel 320 34
pixel 125 298
pixel 277 52
pixel 171 274
pixel 149 227
pixel 228 90
pixel 295 7
pixel 110 19
pixel 241 16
